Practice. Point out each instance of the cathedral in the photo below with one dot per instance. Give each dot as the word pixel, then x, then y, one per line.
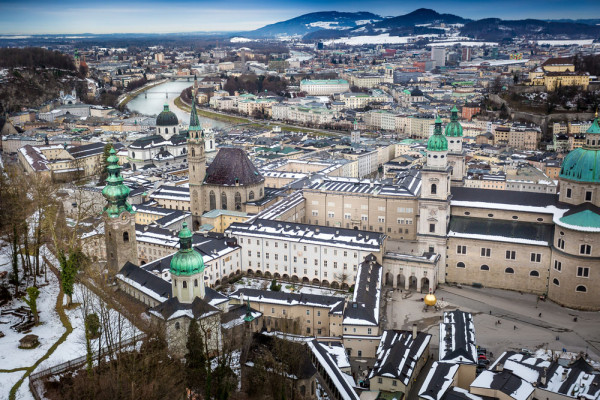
pixel 228 183
pixel 169 145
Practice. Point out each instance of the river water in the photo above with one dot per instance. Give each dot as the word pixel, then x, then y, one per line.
pixel 152 102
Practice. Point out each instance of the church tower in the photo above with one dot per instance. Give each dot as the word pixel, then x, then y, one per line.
pixel 456 156
pixel 119 219
pixel 434 199
pixel 187 270
pixel 196 165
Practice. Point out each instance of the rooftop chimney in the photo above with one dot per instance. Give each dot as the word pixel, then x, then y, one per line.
pixel 414 332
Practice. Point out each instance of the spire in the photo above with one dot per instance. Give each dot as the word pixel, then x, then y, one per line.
pixel 248 317
pixel 194 121
pixel 595 128
pixel 115 192
pixel 185 237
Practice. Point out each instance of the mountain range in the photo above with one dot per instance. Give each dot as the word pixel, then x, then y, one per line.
pixel 333 24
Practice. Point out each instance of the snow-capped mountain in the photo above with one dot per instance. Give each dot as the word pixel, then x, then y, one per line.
pixel 326 20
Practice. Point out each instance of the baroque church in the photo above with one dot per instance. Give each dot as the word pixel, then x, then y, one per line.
pixel 168 146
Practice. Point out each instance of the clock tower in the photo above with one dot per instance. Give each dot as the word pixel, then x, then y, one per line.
pixel 196 165
pixel 119 219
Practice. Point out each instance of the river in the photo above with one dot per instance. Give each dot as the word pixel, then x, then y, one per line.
pixel 152 101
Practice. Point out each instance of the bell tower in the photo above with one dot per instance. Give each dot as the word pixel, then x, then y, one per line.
pixel 456 155
pixel 119 219
pixel 196 165
pixel 187 269
pixel 434 199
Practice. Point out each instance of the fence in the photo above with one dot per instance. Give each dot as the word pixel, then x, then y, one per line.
pixel 76 363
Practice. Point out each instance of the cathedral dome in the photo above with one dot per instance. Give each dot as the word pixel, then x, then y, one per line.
pixel 167 118
pixel 232 167
pixel 186 261
pixel 454 128
pixel 437 141
pixel 583 164
pixel 416 92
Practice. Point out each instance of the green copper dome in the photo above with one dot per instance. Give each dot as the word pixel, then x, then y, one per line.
pixel 166 117
pixel 186 261
pixel 437 141
pixel 583 164
pixel 454 128
pixel 115 192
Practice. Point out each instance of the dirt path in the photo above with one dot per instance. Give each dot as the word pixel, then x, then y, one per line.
pixel 63 319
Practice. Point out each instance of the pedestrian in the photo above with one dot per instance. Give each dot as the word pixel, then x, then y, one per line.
pixel 514 328
pixel 540 315
pixel 490 312
pixel 575 319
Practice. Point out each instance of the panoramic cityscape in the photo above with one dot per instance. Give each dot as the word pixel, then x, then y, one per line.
pixel 300 200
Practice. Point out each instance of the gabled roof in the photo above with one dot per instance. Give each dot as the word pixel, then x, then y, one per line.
pixel 457 338
pixel 398 354
pixel 172 309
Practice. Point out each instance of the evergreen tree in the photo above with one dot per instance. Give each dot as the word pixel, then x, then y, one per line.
pixel 33 294
pixel 70 263
pixel 196 363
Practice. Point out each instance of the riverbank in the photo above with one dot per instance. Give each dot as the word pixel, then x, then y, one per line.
pixel 127 97
pixel 241 120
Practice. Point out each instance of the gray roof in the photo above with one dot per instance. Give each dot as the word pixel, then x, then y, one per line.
pixel 487 229
pixel 457 338
pixel 398 354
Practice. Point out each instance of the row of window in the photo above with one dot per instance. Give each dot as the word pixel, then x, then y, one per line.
pixel 276 255
pixel 582 272
pixel 507 270
pixel 588 194
pixel 509 255
pixel 579 288
pixel 335 265
pixel 584 249
pixel 513 217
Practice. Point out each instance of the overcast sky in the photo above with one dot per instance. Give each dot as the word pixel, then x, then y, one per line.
pixel 160 16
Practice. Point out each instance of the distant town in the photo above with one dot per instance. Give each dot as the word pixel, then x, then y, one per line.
pixel 338 206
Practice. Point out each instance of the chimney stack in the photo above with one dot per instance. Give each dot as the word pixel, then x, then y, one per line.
pixel 414 332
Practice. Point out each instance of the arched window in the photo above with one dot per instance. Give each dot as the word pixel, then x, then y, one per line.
pixel 485 268
pixel 534 273
pixel 133 154
pixel 223 201
pixel 251 195
pixel 184 284
pixel 260 193
pixel 556 282
pixel 195 282
pixel 193 152
pixel 238 201
pixel 509 270
pixel 177 325
pixel 126 236
pixel 212 200
pixel 166 130
pixel 460 265
pixel 581 288
pixel 434 189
